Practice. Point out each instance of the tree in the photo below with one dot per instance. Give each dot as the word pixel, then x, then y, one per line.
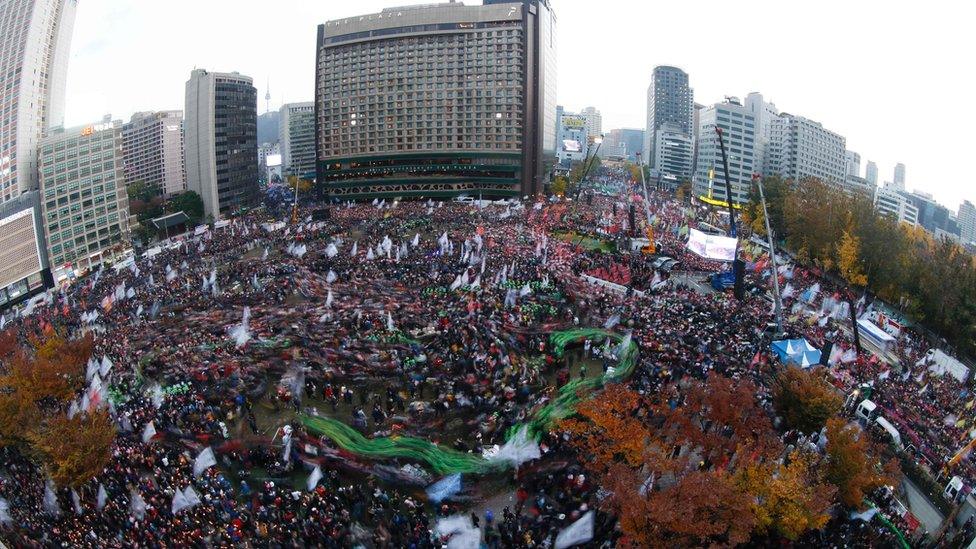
pixel 803 399
pixel 189 202
pixel 37 384
pixel 559 185
pixel 849 259
pixel 77 449
pixel 850 465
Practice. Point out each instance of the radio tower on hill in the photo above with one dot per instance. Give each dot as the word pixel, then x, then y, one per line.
pixel 267 97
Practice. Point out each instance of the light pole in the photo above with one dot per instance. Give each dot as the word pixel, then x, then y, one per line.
pixel 777 302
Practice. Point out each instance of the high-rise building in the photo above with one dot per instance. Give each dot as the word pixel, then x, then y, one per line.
pixel 765 112
pixel 899 179
pixel 967 222
pixel 573 139
pixel 86 209
pixel 594 122
pixel 895 204
pixel 152 145
pixel 35 39
pixel 297 134
pixel 738 126
pixel 799 148
pixel 623 142
pixel 669 99
pixel 871 173
pixel 24 269
pixel 932 216
pixel 672 150
pixel 220 141
pixel 437 100
pixel 852 162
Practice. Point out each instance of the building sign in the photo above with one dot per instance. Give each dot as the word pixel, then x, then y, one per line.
pixel 88 130
pixel 573 121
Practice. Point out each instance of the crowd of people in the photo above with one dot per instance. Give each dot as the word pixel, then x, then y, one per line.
pixel 398 318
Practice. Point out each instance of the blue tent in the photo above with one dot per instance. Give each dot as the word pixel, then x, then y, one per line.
pixel 796 351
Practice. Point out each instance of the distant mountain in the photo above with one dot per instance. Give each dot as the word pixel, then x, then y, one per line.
pixel 268 127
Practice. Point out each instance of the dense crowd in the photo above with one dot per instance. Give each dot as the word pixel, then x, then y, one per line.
pixel 407 318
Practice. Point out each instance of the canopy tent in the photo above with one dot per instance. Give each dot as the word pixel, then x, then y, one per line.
pixel 797 351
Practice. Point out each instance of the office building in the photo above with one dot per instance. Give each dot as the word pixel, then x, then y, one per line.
pixel 624 143
pixel 899 179
pixel 594 122
pixel 24 268
pixel 670 99
pixel 738 125
pixel 437 100
pixel 852 162
pixel 967 222
pixel 83 197
pixel 297 138
pixel 871 173
pixel 858 185
pixel 672 150
pixel 220 141
pixel 35 39
pixel 572 143
pixel 152 146
pixel 932 216
pixel 270 167
pixel 896 205
pixel 765 112
pixel 800 148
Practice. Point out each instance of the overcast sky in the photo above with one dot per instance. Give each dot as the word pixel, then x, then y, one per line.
pixel 890 76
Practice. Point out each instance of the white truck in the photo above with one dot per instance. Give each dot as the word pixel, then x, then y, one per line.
pixel 870 416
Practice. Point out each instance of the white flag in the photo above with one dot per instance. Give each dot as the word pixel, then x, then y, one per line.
pixel 137 506
pixel 577 533
pixel 314 478
pixel 179 502
pixel 105 366
pixel 148 433
pixel 5 517
pixel 191 496
pixel 101 498
pixel 51 499
pixel 204 461
pixel 76 501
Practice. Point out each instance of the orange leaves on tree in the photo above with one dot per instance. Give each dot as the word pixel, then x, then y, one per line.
pixel 803 399
pixel 850 464
pixel 77 449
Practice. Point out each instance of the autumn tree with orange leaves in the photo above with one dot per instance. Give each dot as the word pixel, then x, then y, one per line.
pixel 696 464
pixel 37 383
pixel 850 466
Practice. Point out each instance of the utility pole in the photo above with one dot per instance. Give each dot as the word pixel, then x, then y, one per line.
pixel 777 301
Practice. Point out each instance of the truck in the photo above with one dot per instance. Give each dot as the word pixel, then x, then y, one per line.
pixel 869 415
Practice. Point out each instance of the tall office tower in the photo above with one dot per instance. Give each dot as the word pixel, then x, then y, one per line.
pixel 152 145
pixel 35 39
pixel 594 122
pixel 739 133
pixel 669 99
pixel 799 148
pixel 967 222
pixel 297 134
pixel 899 180
pixel 86 209
pixel 672 153
pixel 852 162
pixel 871 173
pixel 437 100
pixel 765 113
pixel 220 141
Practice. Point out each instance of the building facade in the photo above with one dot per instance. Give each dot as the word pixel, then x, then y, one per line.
pixel 852 162
pixel 765 112
pixel 35 39
pixel 899 176
pixel 152 145
pixel 672 150
pixel 800 148
pixel 437 100
pixel 932 216
pixel 24 268
pixel 572 143
pixel 83 196
pixel 594 122
pixel 220 141
pixel 967 222
pixel 738 125
pixel 871 173
pixel 670 99
pixel 297 133
pixel 896 205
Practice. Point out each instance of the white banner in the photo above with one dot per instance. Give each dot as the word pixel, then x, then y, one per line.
pixel 711 246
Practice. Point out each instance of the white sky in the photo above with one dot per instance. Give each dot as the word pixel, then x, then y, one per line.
pixel 890 75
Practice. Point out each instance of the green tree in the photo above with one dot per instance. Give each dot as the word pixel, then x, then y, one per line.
pixel 189 202
pixel 559 185
pixel 803 399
